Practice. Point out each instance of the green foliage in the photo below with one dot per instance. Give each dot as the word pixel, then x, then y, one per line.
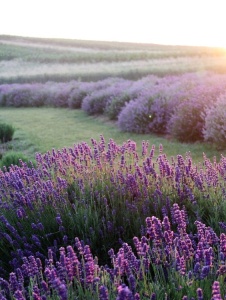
pixel 6 132
pixel 14 158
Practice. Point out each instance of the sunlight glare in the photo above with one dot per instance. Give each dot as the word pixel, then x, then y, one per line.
pixel 162 22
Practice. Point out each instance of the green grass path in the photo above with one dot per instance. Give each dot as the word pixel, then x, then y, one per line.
pixel 41 129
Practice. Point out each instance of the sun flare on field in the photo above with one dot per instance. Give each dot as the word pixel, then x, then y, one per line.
pixel 176 22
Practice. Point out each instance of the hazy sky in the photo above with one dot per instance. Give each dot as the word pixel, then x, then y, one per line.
pixel 190 22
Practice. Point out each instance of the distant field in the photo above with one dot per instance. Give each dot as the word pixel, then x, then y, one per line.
pixel 32 60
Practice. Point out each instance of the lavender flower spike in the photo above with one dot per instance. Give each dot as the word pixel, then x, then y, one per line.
pixel 216 291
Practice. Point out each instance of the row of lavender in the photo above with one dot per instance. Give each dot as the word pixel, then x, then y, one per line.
pixel 112 199
pixel 166 265
pixel 189 107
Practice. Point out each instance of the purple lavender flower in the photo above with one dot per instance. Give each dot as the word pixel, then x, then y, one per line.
pixel 44 286
pixel 2 297
pixel 13 283
pixel 137 296
pixel 168 233
pixel 204 272
pixel 199 294
pixel 58 219
pixel 132 283
pixel 50 256
pixel 19 295
pixel 153 296
pixel 36 296
pixel 124 293
pixel 197 269
pixel 79 246
pixel 36 291
pixel 62 291
pixel 223 244
pixel 216 295
pixel 141 246
pixel 179 218
pixel 103 293
pixel 182 266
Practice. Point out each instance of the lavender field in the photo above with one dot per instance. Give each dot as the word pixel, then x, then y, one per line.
pixel 104 220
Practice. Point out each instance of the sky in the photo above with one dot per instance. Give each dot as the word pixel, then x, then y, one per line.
pixel 172 22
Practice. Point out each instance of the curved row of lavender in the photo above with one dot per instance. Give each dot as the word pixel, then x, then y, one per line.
pixel 106 222
pixel 189 107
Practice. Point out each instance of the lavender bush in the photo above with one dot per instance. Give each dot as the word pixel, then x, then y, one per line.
pixel 23 95
pixel 19 95
pixel 170 92
pixel 83 89
pixel 177 106
pixel 139 115
pixel 96 102
pixel 215 123
pixel 115 105
pixel 78 93
pixel 135 116
pixel 60 95
pixel 130 91
pixel 187 122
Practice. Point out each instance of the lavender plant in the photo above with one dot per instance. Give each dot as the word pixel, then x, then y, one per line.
pixel 96 102
pixel 79 92
pixel 130 91
pixel 215 123
pixel 135 116
pixel 115 105
pixel 21 95
pixel 170 92
pixel 187 122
